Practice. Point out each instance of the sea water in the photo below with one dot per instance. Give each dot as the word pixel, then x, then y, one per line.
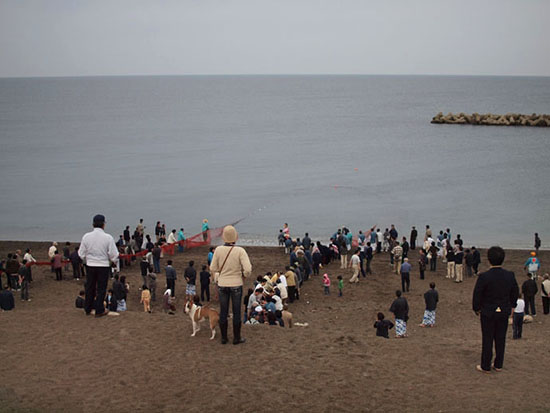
pixel 318 152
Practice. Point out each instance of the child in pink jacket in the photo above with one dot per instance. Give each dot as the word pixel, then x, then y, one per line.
pixel 326 284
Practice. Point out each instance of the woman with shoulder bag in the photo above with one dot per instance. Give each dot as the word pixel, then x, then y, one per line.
pixel 231 265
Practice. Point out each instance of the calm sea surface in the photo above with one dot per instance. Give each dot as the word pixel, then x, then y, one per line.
pixel 317 152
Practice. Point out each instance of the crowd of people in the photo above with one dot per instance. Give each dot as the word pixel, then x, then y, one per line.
pixel 99 259
pixel 307 257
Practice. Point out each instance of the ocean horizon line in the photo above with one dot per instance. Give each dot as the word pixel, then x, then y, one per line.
pixel 272 75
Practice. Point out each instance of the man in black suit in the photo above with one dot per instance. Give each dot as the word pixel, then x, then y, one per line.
pixel 495 294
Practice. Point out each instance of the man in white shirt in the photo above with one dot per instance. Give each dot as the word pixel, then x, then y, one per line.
pixel 99 252
pixel 51 252
pixel 355 265
pixel 172 239
pixel 379 240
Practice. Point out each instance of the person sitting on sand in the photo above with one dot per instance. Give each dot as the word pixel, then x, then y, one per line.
pixel 400 309
pixel 279 318
pixel 431 297
pixel 254 299
pixel 286 316
pixel 7 302
pixel 382 326
pixel 79 302
pixel 255 320
pixel 258 313
pixel 110 301
pixel 120 293
pixel 270 305
pixel 276 298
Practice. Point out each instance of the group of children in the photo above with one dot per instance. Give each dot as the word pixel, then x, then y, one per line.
pixel 327 282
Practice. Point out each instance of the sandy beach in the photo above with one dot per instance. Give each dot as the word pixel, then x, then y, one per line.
pixel 54 358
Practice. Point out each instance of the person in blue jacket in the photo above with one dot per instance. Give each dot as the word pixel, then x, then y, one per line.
pixel 532 265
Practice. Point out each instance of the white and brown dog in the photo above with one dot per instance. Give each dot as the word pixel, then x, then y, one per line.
pixel 199 313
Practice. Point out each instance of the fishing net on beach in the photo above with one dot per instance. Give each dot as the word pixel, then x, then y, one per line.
pixel 198 240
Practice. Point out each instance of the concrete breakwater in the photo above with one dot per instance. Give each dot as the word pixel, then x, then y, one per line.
pixel 509 119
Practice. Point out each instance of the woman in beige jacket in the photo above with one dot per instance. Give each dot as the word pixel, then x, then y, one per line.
pixel 230 265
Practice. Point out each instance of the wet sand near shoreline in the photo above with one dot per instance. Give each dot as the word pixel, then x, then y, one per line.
pixel 54 358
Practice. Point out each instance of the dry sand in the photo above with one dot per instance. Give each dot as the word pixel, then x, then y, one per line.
pixel 54 358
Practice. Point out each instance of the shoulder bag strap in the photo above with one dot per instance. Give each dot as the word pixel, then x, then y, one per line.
pixel 226 257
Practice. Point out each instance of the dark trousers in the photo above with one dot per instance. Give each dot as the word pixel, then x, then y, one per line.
pixel 58 274
pixel 316 268
pixel 205 290
pixel 369 271
pixel 405 281
pixel 530 305
pixel 13 281
pixel 378 247
pixel 362 268
pixel 156 265
pixel 546 305
pixel 413 243
pixel 234 294
pixel 422 274
pixel 433 263
pixel 493 330
pixel 96 287
pixel 171 284
pixel 475 266
pixel 517 325
pixel 291 293
pixel 76 270
pixel 24 290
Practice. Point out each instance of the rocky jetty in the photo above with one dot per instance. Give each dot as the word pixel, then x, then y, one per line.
pixel 510 119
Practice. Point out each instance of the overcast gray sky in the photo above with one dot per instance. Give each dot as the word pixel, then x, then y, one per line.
pixel 110 37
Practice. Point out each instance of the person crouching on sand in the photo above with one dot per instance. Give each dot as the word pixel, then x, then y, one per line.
pixel 382 326
pixel 326 283
pixel 168 302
